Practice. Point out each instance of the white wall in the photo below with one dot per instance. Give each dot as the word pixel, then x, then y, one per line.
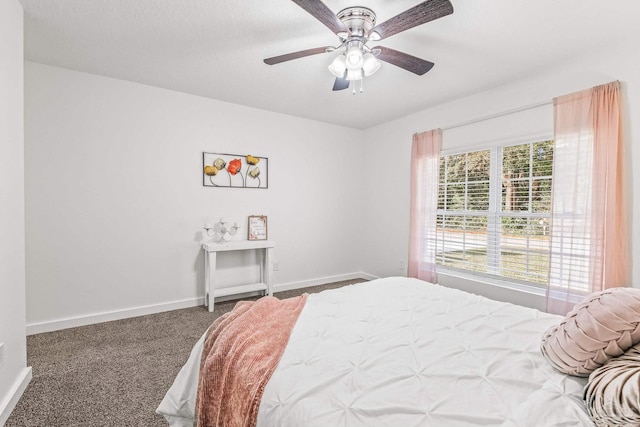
pixel 14 374
pixel 115 202
pixel 387 201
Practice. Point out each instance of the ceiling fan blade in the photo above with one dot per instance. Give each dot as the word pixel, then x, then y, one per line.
pixel 417 15
pixel 403 60
pixel 322 13
pixel 295 55
pixel 340 84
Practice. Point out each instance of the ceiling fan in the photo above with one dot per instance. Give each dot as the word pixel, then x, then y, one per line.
pixel 355 27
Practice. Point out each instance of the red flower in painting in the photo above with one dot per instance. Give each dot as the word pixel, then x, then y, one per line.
pixel 234 166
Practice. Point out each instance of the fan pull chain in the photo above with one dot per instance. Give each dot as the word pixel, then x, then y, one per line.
pixel 353 87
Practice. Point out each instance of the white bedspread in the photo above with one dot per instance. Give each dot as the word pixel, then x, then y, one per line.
pixel 401 352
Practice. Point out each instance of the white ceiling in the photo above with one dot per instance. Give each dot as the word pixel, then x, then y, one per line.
pixel 215 48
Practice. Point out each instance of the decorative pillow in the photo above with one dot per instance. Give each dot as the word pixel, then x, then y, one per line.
pixel 613 392
pixel 602 326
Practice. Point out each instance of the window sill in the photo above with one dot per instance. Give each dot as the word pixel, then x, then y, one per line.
pixel 501 290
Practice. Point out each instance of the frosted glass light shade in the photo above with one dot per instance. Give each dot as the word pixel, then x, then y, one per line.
pixel 354 74
pixel 338 66
pixel 354 58
pixel 370 65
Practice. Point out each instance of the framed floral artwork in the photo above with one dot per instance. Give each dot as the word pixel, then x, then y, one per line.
pixel 234 170
pixel 257 227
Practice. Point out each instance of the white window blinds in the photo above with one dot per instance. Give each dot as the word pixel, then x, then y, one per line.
pixel 494 211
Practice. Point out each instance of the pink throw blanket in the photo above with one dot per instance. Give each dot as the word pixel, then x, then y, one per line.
pixel 241 350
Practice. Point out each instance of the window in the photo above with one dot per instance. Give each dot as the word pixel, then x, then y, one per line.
pixel 494 210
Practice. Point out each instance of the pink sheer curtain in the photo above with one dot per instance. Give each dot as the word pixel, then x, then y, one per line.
pixel 425 161
pixel 588 233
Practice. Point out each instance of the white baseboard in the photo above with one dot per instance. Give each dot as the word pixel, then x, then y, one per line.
pixel 302 284
pixel 90 319
pixel 321 281
pixel 10 402
pixel 367 276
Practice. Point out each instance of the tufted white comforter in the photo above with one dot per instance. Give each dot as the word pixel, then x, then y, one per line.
pixel 401 352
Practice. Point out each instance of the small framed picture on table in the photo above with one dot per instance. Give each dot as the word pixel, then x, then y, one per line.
pixel 257 227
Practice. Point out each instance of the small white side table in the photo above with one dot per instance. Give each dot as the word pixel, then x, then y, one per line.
pixel 210 252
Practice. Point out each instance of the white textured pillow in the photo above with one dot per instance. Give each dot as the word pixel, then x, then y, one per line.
pixel 613 392
pixel 604 325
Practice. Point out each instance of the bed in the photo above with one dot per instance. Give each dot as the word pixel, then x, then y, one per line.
pixel 402 352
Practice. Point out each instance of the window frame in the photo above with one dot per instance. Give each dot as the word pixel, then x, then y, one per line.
pixel 495 200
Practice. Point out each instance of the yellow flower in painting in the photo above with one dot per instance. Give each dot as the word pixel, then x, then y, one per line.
pixel 252 160
pixel 210 170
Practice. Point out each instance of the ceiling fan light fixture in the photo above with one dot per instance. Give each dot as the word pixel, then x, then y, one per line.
pixel 338 66
pixel 354 74
pixel 370 64
pixel 354 58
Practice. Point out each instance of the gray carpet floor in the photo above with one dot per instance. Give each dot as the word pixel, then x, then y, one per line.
pixel 114 373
